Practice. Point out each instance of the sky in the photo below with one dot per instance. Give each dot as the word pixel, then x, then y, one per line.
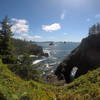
pixel 51 20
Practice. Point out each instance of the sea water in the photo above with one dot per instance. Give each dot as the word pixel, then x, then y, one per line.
pixel 57 52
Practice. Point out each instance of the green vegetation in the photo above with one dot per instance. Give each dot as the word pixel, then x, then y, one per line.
pixel 28 47
pixel 12 87
pixel 11 50
pixel 95 29
pixel 6 47
pixel 26 70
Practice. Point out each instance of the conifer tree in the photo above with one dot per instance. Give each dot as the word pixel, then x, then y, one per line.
pixel 95 29
pixel 92 30
pixel 6 47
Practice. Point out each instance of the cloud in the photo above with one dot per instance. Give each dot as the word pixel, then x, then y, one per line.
pixel 63 15
pixel 97 16
pixel 52 27
pixel 37 37
pixel 23 21
pixel 27 37
pixel 20 26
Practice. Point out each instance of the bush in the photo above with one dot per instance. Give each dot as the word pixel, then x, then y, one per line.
pixel 9 59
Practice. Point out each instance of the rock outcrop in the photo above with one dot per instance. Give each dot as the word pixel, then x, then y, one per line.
pixel 85 57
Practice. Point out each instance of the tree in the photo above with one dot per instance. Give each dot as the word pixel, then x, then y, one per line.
pixel 92 29
pixel 6 47
pixel 95 29
pixel 26 70
pixel 98 28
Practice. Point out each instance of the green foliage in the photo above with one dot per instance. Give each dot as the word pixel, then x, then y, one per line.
pixel 6 47
pixel 5 33
pixel 10 47
pixel 9 59
pixel 26 70
pixel 22 47
pixel 86 87
pixel 94 29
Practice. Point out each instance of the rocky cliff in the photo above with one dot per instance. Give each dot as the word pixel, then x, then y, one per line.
pixel 85 57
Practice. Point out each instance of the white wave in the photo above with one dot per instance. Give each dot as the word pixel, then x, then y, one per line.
pixel 73 72
pixel 47 51
pixel 47 65
pixel 38 61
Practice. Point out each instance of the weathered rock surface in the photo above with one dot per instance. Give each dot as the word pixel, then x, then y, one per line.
pixel 85 57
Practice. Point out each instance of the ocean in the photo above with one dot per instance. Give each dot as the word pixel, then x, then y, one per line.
pixel 57 51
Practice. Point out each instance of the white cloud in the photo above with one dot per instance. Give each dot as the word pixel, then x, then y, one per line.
pixel 52 27
pixel 37 37
pixel 27 37
pixel 18 37
pixel 23 21
pixel 20 29
pixel 31 37
pixel 20 26
pixel 97 16
pixel 63 15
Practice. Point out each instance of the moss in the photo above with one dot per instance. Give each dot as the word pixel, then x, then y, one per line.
pixel 12 87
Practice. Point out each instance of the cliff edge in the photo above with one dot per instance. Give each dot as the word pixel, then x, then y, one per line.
pixel 85 57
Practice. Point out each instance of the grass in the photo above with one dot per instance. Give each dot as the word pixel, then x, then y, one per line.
pixel 12 87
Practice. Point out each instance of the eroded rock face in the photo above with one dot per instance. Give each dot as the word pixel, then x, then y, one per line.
pixel 85 57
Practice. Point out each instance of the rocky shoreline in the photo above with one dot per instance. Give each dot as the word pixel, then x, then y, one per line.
pixel 85 57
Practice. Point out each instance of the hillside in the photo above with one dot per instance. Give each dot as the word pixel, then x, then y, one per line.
pixel 22 47
pixel 12 87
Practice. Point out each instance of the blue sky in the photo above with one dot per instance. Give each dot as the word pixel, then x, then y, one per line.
pixel 51 20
